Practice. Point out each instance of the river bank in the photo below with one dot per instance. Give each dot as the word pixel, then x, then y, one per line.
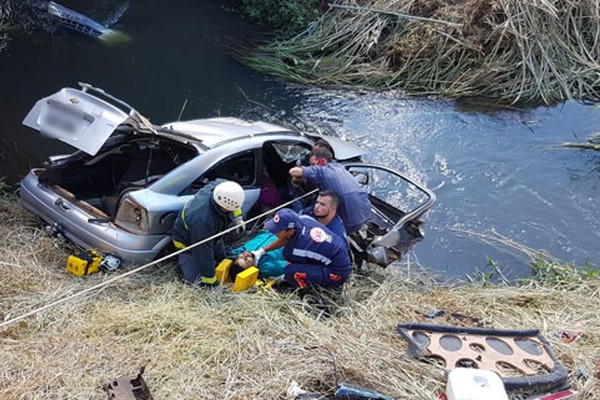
pixel 504 51
pixel 216 344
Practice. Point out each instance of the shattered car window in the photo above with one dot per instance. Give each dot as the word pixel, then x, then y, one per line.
pixel 290 152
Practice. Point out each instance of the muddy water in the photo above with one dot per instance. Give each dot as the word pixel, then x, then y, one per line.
pixel 498 174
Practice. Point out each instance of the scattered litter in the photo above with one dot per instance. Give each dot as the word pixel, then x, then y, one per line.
pixel 563 394
pixel 434 313
pixel 467 319
pixel 582 374
pixel 295 392
pixel 522 358
pixel 343 391
pixel 128 388
pixel 347 391
pixel 597 370
pixel 568 337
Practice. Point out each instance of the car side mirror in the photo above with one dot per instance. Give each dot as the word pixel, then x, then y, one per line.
pixel 362 178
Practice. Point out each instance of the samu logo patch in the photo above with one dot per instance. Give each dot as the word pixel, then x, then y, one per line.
pixel 319 235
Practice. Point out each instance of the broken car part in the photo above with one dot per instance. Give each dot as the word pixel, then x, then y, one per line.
pixel 128 388
pixel 522 358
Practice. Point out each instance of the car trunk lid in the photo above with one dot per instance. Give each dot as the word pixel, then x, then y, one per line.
pixel 82 119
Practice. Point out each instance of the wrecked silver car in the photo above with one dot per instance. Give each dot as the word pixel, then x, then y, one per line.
pixel 121 191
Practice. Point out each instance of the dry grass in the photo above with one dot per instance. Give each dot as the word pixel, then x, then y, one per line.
pixel 507 50
pixel 199 344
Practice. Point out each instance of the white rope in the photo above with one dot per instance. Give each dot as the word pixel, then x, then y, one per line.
pixel 138 269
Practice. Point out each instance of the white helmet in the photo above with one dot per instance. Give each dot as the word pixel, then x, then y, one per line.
pixel 229 195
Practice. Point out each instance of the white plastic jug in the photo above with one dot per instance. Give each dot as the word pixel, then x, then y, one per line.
pixel 474 384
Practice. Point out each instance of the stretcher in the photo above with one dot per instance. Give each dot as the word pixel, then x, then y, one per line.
pixel 244 280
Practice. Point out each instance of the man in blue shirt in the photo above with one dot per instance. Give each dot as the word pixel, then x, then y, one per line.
pixel 315 255
pixel 355 207
pixel 272 264
pixel 325 209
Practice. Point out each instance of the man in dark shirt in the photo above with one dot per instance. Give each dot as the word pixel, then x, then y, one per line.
pixel 209 212
pixel 324 210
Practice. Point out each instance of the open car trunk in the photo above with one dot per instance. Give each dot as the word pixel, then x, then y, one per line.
pixel 97 183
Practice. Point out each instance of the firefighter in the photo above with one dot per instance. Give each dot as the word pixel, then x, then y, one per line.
pixel 212 209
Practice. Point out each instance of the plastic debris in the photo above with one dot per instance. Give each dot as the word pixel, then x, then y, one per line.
pixel 582 374
pixel 563 394
pixel 474 384
pixel 434 313
pixel 295 392
pixel 346 391
pixel 570 337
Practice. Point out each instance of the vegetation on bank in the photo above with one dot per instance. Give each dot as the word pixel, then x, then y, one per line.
pixel 511 51
pixel 283 15
pixel 216 344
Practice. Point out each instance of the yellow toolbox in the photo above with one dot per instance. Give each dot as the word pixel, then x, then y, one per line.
pixel 84 263
pixel 245 279
pixel 222 271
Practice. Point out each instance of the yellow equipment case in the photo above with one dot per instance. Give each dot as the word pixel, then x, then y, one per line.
pixel 84 263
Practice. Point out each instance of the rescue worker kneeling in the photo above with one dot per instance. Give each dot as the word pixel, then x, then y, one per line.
pixel 210 211
pixel 314 254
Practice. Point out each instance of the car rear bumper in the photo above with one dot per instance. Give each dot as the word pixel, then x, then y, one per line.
pixel 73 223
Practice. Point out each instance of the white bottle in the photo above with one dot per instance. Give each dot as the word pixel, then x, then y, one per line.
pixel 474 384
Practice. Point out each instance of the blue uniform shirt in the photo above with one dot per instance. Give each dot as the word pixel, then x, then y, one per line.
pixel 313 243
pixel 355 207
pixel 335 225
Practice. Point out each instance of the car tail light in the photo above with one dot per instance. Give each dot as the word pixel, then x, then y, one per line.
pixel 132 217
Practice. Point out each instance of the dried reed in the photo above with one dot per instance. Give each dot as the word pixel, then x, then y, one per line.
pixel 513 51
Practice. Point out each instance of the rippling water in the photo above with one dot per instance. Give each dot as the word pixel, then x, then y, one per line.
pixel 493 171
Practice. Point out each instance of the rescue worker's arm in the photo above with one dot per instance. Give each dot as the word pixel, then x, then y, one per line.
pixel 274 245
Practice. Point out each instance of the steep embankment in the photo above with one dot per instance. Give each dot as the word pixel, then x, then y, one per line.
pixel 215 344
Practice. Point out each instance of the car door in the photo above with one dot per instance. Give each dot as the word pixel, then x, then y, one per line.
pixel 398 202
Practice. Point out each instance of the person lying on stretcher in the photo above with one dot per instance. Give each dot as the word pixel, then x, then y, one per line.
pixel 270 265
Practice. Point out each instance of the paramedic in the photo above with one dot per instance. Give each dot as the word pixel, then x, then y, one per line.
pixel 315 255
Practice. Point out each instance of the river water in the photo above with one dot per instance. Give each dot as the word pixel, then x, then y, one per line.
pixel 496 173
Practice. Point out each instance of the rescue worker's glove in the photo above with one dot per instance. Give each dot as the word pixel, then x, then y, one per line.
pixel 257 254
pixel 239 224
